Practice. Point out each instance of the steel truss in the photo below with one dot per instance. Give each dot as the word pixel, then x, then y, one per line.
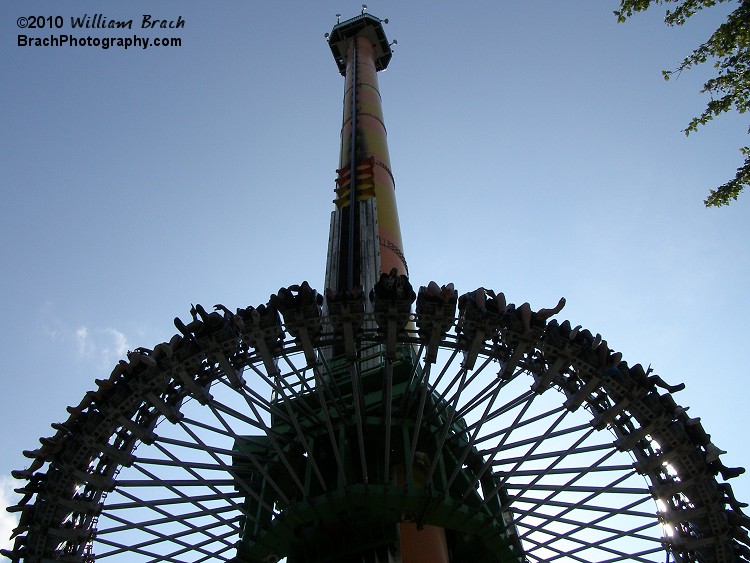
pixel 168 460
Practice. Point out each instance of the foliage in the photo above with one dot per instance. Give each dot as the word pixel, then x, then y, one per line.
pixel 729 50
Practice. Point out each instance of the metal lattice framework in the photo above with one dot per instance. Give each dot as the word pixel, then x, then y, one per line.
pixel 569 462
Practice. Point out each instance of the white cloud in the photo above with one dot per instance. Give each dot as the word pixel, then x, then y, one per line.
pixel 84 346
pixel 115 348
pixel 103 346
pixel 8 521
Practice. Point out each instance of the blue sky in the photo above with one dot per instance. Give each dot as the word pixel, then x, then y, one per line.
pixel 535 146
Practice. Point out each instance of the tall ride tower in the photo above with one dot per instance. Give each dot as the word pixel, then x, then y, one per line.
pixel 365 237
pixel 371 501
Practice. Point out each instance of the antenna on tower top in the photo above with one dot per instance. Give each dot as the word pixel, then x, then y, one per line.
pixel 364 8
pixel 338 18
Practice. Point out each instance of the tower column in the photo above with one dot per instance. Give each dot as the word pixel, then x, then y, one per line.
pixel 365 230
pixel 365 241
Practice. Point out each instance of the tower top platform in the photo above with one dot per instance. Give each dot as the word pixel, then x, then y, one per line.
pixel 363 25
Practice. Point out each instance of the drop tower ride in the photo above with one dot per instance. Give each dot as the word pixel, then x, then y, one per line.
pixel 375 424
pixel 365 238
pixel 373 502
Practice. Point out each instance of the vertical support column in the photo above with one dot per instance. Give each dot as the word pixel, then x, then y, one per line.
pixel 351 78
pixel 364 151
pixel 365 241
pixel 365 186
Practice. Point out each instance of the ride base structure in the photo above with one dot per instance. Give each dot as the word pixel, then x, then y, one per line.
pixel 375 422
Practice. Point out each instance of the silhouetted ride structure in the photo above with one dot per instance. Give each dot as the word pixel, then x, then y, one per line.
pixel 376 422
